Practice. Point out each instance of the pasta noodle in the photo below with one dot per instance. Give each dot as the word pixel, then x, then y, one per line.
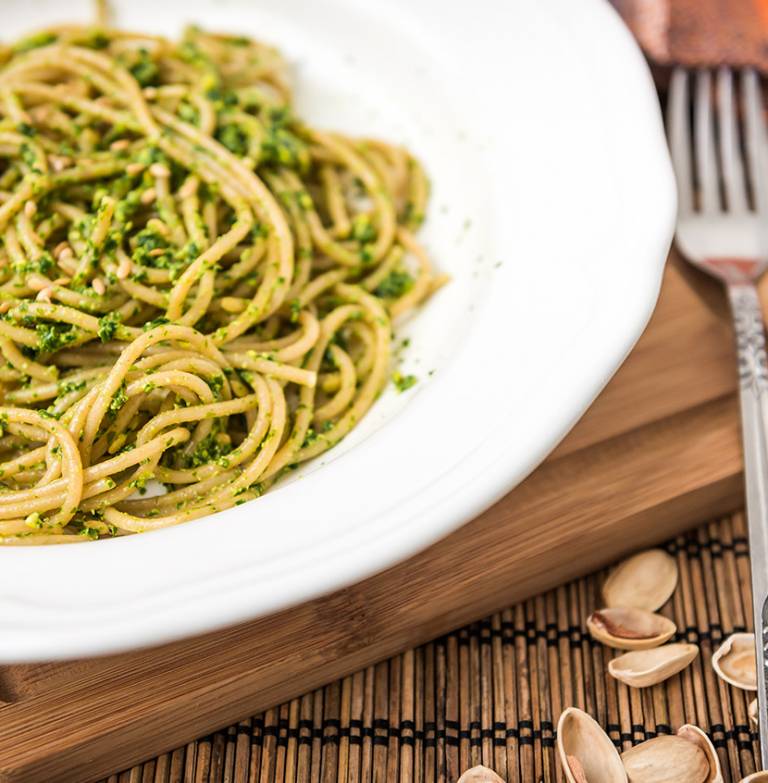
pixel 196 287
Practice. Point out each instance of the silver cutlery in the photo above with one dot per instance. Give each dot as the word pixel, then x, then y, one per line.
pixel 722 228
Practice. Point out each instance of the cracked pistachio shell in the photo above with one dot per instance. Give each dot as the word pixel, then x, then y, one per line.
pixel 734 661
pixel 644 581
pixel 626 628
pixel 642 668
pixel 697 736
pixel 480 774
pixel 586 752
pixel 666 759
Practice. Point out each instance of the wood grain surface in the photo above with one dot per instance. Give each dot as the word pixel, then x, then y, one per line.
pixel 657 452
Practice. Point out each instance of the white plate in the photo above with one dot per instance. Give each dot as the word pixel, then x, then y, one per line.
pixel 552 209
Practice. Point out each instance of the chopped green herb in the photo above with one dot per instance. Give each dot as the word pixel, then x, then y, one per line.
pixel 96 39
pixel 118 399
pixel 145 69
pixel 54 337
pixel 280 147
pixel 403 382
pixel 363 229
pixel 42 266
pixel 161 321
pixel 108 326
pixel 394 285
pixel 35 41
pixel 234 138
pixel 210 449
pixel 216 382
pixel 66 387
pixel 34 520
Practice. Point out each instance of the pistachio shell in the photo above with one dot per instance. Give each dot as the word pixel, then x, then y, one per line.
pixel 698 737
pixel 753 711
pixel 576 768
pixel 688 757
pixel 755 777
pixel 626 628
pixel 642 668
pixel 480 774
pixel 667 759
pixel 734 661
pixel 644 581
pixel 586 752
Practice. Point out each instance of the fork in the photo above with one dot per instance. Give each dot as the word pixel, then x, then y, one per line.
pixel 722 228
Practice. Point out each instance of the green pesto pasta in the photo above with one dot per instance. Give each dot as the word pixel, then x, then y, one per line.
pixel 197 288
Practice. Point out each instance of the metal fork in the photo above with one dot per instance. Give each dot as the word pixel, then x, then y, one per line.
pixel 722 228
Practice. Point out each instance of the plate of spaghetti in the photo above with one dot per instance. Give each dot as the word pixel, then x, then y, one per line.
pixel 280 299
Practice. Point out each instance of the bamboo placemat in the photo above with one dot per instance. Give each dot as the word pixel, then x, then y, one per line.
pixel 491 693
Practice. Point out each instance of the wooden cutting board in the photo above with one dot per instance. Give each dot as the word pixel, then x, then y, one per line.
pixel 657 452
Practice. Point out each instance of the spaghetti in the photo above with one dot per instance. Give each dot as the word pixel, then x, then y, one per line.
pixel 196 287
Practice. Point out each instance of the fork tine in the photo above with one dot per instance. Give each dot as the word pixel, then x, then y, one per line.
pixel 680 139
pixel 704 144
pixel 756 138
pixel 733 171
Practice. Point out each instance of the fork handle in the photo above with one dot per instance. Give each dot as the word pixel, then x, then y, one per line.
pixel 753 392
